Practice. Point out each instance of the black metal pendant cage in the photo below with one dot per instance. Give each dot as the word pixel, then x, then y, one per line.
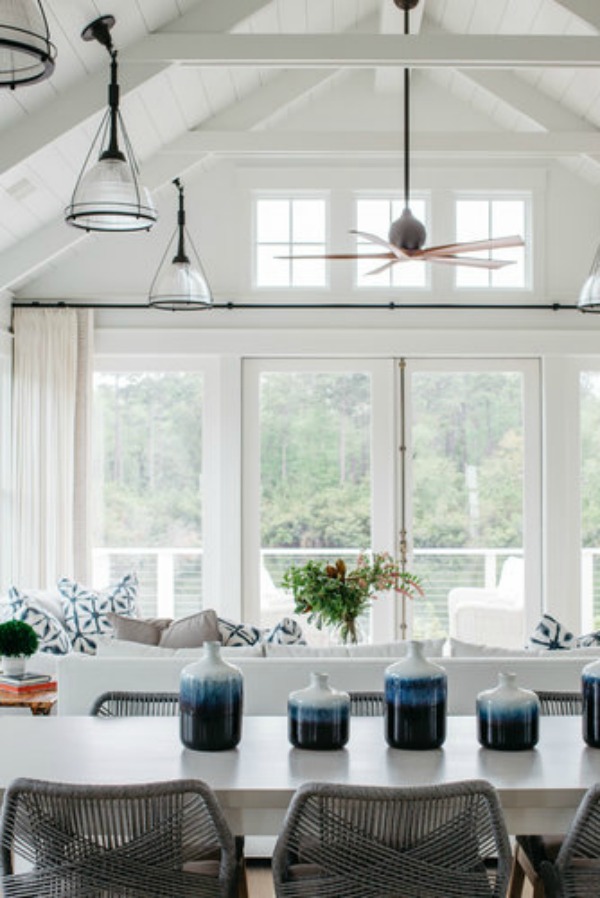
pixel 27 55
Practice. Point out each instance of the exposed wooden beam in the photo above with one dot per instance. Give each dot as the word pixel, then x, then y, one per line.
pixel 385 143
pixel 369 50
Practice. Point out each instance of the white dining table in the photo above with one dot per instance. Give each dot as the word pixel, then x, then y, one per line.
pixel 539 789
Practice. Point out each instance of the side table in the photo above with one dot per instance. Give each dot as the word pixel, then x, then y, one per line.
pixel 39 703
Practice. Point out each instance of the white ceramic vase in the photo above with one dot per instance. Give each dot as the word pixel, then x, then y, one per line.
pixel 211 702
pixel 415 701
pixel 318 716
pixel 14 665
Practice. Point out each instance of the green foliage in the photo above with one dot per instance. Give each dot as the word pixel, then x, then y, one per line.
pixel 333 596
pixel 17 638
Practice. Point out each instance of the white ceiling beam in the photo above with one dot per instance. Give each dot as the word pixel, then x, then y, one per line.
pixel 528 100
pixel 25 258
pixel 386 143
pixel 391 21
pixel 368 50
pixel 89 96
pixel 587 10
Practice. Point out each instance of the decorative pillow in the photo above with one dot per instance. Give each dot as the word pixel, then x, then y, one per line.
pixel 146 631
pixel 588 640
pixel 86 610
pixel 51 633
pixel 191 632
pixel 286 632
pixel 237 634
pixel 550 634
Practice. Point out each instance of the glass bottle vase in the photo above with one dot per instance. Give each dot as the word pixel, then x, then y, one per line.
pixel 318 716
pixel 415 701
pixel 211 702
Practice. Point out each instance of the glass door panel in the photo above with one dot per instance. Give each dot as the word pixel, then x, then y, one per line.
pixel 468 465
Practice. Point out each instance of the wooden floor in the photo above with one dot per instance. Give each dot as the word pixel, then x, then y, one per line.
pixel 260 883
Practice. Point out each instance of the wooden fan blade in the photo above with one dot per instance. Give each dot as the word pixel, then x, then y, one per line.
pixel 373 238
pixel 342 256
pixel 474 246
pixel 386 266
pixel 470 263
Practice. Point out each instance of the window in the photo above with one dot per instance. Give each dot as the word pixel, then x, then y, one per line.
pixel 375 215
pixel 590 490
pixel 290 227
pixel 483 218
pixel 148 486
pixel 474 496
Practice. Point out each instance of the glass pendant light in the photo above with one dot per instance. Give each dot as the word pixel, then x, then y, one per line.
pixel 179 284
pixel 589 298
pixel 26 53
pixel 108 195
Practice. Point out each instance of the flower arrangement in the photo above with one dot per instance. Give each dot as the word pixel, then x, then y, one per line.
pixel 334 596
pixel 17 638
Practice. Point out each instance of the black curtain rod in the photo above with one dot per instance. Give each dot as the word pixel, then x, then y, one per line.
pixel 233 306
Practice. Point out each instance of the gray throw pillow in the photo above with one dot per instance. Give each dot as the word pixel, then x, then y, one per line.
pixel 134 629
pixel 191 632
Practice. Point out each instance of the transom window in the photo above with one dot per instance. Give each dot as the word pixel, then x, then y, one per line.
pixel 479 218
pixel 375 215
pixel 290 226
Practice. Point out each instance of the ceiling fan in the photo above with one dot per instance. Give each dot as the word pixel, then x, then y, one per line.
pixel 407 235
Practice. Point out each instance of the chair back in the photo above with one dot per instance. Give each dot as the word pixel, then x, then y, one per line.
pixel 576 870
pixel 366 704
pixel 136 704
pixel 160 840
pixel 355 841
pixel 555 704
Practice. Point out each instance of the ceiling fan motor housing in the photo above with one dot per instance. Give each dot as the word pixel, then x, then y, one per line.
pixel 407 232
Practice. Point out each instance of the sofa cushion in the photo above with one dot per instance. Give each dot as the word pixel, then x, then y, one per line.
pixel 432 648
pixel 273 650
pixel 86 609
pixel 52 635
pixel 233 634
pixel 120 648
pixel 460 649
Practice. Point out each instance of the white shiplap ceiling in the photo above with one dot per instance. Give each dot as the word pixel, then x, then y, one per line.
pixel 178 111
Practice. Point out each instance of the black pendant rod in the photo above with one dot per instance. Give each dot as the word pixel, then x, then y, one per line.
pixel 406 120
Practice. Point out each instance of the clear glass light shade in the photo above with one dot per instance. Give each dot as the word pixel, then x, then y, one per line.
pixel 180 285
pixel 589 298
pixel 26 52
pixel 109 198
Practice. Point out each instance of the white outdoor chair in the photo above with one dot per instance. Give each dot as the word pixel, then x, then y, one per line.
pixel 490 616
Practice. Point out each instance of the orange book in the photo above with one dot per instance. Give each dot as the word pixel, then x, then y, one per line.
pixel 28 689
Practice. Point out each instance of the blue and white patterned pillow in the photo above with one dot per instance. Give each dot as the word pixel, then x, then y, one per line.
pixel 50 632
pixel 233 634
pixel 552 635
pixel 86 610
pixel 588 640
pixel 286 632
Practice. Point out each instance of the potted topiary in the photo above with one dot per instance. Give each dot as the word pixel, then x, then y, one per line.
pixel 18 641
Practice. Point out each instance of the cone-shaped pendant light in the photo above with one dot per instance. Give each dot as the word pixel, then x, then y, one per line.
pixel 179 283
pixel 26 53
pixel 108 195
pixel 589 298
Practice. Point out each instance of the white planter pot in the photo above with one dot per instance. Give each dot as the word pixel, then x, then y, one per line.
pixel 13 665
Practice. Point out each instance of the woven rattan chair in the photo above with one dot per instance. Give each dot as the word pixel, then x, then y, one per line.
pixel 532 851
pixel 360 841
pixel 161 840
pixel 366 704
pixel 136 704
pixel 576 871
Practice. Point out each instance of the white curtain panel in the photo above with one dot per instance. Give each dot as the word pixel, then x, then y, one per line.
pixel 51 397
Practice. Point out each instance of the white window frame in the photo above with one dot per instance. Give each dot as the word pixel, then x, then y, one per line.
pixel 290 196
pixel 6 481
pixel 491 196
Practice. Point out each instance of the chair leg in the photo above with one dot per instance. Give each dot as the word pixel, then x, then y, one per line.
pixel 242 889
pixel 517 877
pixel 522 869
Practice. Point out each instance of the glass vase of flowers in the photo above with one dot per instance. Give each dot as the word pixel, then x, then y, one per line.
pixel 334 596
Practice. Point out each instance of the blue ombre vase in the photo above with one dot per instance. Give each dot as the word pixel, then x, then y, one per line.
pixel 211 701
pixel 415 702
pixel 507 716
pixel 318 716
pixel 590 687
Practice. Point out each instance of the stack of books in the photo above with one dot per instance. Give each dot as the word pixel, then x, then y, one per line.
pixel 26 683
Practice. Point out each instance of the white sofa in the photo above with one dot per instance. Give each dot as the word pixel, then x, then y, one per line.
pixel 269 680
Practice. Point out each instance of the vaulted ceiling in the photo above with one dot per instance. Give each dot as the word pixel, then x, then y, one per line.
pixel 207 79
